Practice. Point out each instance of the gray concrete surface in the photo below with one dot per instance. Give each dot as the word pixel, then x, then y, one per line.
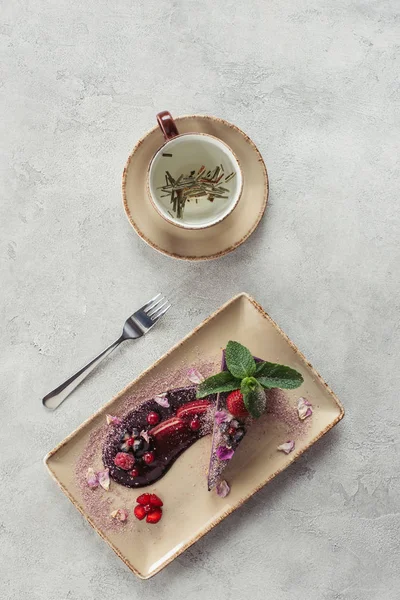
pixel 316 85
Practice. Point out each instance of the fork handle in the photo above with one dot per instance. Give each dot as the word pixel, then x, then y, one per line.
pixel 54 399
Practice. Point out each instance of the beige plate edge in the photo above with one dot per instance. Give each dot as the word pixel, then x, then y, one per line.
pixel 256 489
pixel 227 250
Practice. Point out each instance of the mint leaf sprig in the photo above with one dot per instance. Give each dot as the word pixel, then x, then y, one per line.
pixel 250 378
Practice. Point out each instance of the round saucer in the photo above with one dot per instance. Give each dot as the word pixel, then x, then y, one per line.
pixel 205 243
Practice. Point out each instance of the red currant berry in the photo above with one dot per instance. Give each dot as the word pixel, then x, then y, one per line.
pixel 153 418
pixel 195 424
pixel 134 472
pixel 130 441
pixel 148 458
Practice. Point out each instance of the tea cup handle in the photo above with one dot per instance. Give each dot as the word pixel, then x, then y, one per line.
pixel 167 125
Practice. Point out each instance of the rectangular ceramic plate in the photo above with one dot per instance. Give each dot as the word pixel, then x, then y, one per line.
pixel 146 549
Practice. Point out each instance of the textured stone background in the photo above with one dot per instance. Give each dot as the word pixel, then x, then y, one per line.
pixel 315 84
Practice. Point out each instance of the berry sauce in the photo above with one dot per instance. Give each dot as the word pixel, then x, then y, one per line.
pixel 166 440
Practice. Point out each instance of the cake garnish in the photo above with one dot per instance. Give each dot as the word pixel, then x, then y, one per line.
pixel 162 400
pixel 111 420
pixel 123 460
pixel 194 375
pixel 104 479
pixel 235 404
pixel 225 453
pixel 222 489
pixel 250 378
pixel 241 397
pixel 149 506
pixel 287 447
pixel 153 418
pixel 145 435
pixel 221 416
pixel 92 479
pixel 304 408
pixel 193 408
pixel 119 515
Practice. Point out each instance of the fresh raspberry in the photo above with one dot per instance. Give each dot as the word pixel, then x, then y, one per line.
pixel 154 516
pixel 153 418
pixel 139 512
pixel 235 404
pixel 155 500
pixel 143 499
pixel 124 461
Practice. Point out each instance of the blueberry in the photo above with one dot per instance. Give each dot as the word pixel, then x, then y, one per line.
pixel 224 427
pixel 137 445
pixel 238 435
pixel 135 432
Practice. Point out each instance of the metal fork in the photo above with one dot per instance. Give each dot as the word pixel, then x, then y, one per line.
pixel 135 327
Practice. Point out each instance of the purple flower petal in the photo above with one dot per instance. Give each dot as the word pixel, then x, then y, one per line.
pixel 195 376
pixel 162 400
pixel 304 408
pixel 220 417
pixel 104 479
pixel 287 447
pixel 120 514
pixel 222 489
pixel 224 453
pixel 145 435
pixel 92 479
pixel 113 420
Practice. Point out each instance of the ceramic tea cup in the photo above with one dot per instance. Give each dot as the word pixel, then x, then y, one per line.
pixel 194 180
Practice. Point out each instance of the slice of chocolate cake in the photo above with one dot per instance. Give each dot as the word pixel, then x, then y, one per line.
pixel 228 431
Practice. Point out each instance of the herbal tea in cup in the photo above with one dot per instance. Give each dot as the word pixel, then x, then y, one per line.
pixel 194 179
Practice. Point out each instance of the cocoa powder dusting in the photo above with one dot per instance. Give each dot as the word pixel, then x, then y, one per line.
pixel 99 503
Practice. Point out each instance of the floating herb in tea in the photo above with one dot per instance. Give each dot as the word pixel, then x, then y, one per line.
pixel 195 185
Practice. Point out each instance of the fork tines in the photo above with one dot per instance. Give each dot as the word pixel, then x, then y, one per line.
pixel 156 307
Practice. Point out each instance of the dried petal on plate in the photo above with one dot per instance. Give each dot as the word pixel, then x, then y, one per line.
pixel 145 435
pixel 194 375
pixel 220 417
pixel 120 514
pixel 162 400
pixel 304 408
pixel 287 447
pixel 92 479
pixel 224 453
pixel 104 479
pixel 111 420
pixel 222 489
